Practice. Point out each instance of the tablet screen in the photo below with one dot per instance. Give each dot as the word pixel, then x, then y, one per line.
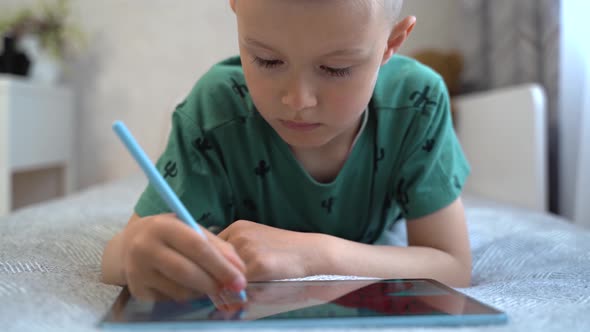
pixel 378 302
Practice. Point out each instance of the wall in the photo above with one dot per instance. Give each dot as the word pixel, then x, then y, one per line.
pixel 574 112
pixel 436 24
pixel 144 56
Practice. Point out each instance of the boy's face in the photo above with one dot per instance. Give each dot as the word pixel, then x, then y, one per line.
pixel 311 65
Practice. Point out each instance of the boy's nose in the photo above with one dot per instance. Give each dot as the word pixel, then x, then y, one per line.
pixel 299 95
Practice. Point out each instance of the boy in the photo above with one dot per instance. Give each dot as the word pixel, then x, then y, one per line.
pixel 302 152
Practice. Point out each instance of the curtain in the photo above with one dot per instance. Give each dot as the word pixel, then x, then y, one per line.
pixel 582 214
pixel 574 112
pixel 508 42
pixel 577 55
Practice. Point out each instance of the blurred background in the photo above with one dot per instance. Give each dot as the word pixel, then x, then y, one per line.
pixel 70 68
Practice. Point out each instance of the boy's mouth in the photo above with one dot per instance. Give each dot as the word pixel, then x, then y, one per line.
pixel 299 126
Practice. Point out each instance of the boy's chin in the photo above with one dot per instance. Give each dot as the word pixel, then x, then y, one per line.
pixel 305 140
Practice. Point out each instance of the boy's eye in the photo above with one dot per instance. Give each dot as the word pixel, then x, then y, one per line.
pixel 273 63
pixel 269 64
pixel 336 72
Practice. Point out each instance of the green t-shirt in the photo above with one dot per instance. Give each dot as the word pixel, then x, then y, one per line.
pixel 226 163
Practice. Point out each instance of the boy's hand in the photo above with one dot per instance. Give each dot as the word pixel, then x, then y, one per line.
pixel 165 258
pixel 271 253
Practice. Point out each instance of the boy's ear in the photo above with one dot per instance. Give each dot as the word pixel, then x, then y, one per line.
pixel 398 36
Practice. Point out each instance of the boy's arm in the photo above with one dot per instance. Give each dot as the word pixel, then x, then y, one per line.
pixel 438 248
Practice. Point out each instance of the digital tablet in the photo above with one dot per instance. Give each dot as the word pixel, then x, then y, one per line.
pixel 336 303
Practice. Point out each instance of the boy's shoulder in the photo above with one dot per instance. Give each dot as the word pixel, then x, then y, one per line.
pixel 219 97
pixel 400 78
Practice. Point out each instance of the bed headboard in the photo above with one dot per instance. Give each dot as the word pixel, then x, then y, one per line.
pixel 504 135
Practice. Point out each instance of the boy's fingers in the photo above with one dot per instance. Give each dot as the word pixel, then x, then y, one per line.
pixel 171 289
pixel 183 271
pixel 159 296
pixel 228 251
pixel 142 292
pixel 205 255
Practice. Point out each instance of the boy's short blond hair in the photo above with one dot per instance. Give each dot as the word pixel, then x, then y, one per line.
pixel 392 8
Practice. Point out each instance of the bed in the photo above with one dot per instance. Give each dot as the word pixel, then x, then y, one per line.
pixel 527 262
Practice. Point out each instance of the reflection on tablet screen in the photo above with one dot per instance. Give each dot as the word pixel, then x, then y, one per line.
pixel 308 300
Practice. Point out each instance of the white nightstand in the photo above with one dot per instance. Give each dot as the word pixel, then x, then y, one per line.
pixel 36 133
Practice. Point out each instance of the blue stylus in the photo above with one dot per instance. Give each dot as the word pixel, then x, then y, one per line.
pixel 158 181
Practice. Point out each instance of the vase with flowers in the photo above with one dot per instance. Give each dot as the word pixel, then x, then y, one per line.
pixel 45 34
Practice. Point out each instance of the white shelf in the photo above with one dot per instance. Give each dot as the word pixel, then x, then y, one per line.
pixel 36 132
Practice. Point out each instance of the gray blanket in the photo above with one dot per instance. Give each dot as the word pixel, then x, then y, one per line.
pixel 534 266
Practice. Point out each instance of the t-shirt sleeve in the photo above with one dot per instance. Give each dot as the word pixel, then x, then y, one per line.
pixel 433 167
pixel 192 166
